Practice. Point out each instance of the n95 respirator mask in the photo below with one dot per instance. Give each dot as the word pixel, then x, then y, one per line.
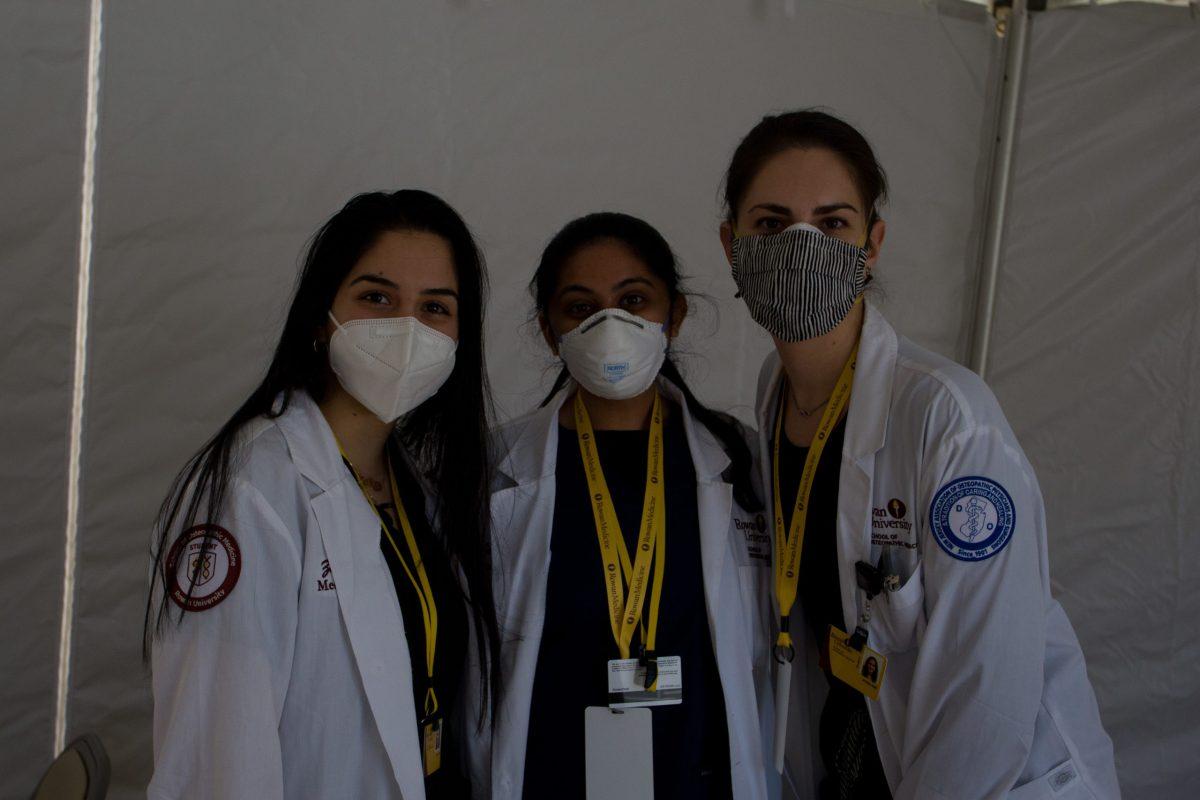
pixel 390 365
pixel 614 354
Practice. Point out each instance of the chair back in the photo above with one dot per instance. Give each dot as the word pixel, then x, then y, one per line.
pixel 81 772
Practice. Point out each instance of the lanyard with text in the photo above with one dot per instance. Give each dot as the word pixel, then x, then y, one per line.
pixel 789 546
pixel 431 727
pixel 625 612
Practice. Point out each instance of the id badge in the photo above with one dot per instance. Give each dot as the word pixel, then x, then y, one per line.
pixel 627 683
pixel 431 746
pixel 618 753
pixel 861 670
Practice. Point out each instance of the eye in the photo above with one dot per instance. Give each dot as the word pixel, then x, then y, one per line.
pixel 834 223
pixel 376 298
pixel 633 300
pixel 434 307
pixel 769 224
pixel 579 309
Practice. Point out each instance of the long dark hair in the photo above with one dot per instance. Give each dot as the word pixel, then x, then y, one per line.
pixel 649 246
pixel 446 436
pixel 806 128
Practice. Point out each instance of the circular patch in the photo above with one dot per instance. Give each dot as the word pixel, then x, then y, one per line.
pixel 972 518
pixel 204 565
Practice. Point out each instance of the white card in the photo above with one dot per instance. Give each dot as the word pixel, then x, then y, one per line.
pixel 619 753
pixel 627 683
pixel 783 692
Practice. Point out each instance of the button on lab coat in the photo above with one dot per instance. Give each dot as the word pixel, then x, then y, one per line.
pixel 734 588
pixel 290 687
pixel 985 688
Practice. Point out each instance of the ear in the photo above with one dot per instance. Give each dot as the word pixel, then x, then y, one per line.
pixel 679 310
pixel 875 243
pixel 548 334
pixel 324 332
pixel 727 240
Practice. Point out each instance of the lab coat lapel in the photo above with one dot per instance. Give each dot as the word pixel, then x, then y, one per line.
pixel 522 524
pixel 366 594
pixel 714 498
pixel 866 432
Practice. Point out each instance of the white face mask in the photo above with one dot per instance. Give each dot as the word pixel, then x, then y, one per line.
pixel 614 354
pixel 390 365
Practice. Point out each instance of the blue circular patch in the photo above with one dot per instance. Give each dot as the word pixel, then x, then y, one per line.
pixel 972 518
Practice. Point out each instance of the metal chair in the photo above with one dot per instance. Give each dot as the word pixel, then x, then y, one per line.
pixel 81 772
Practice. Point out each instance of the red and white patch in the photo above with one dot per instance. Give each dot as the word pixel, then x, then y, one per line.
pixel 204 564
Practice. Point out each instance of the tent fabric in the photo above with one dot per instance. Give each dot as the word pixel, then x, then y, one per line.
pixel 230 131
pixel 1095 360
pixel 43 61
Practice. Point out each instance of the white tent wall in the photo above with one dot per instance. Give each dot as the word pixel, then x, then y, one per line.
pixel 1096 360
pixel 43 65
pixel 229 131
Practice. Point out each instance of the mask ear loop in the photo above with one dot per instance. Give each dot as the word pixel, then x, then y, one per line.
pixel 864 247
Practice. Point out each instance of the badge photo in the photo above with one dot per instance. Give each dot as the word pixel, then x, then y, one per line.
pixel 203 566
pixel 972 518
pixel 860 669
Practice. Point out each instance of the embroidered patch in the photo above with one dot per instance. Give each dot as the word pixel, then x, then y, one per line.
pixel 325 582
pixel 204 564
pixel 972 518
pixel 890 526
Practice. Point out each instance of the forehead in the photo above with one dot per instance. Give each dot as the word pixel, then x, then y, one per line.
pixel 409 258
pixel 601 264
pixel 803 178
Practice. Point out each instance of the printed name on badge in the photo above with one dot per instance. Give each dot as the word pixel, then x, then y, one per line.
pixel 972 518
pixel 203 566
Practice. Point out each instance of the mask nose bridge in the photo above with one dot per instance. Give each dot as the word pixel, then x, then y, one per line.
pixel 605 315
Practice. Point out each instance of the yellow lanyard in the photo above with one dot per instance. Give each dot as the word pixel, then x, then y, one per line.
pixel 420 580
pixel 789 548
pixel 625 612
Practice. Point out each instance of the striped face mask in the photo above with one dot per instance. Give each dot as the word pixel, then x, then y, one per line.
pixel 800 283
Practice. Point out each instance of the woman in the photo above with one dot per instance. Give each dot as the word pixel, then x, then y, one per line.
pixel 308 629
pixel 908 523
pixel 674 519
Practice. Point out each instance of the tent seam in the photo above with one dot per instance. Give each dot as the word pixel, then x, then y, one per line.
pixel 83 292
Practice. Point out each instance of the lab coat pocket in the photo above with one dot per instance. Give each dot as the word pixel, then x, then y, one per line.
pixel 899 615
pixel 1061 783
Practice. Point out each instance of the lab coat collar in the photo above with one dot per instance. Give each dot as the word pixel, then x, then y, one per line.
pixel 870 398
pixel 311 441
pixel 315 449
pixel 533 455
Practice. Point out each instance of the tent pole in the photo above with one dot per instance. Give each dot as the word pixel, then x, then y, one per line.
pixel 1015 30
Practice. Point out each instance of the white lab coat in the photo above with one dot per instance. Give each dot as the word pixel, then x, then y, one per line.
pixel 735 556
pixel 290 687
pixel 985 688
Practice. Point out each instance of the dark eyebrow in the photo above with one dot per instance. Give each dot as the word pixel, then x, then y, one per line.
pixel 829 209
pixel 575 287
pixel 774 208
pixel 635 279
pixel 382 281
pixel 374 279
